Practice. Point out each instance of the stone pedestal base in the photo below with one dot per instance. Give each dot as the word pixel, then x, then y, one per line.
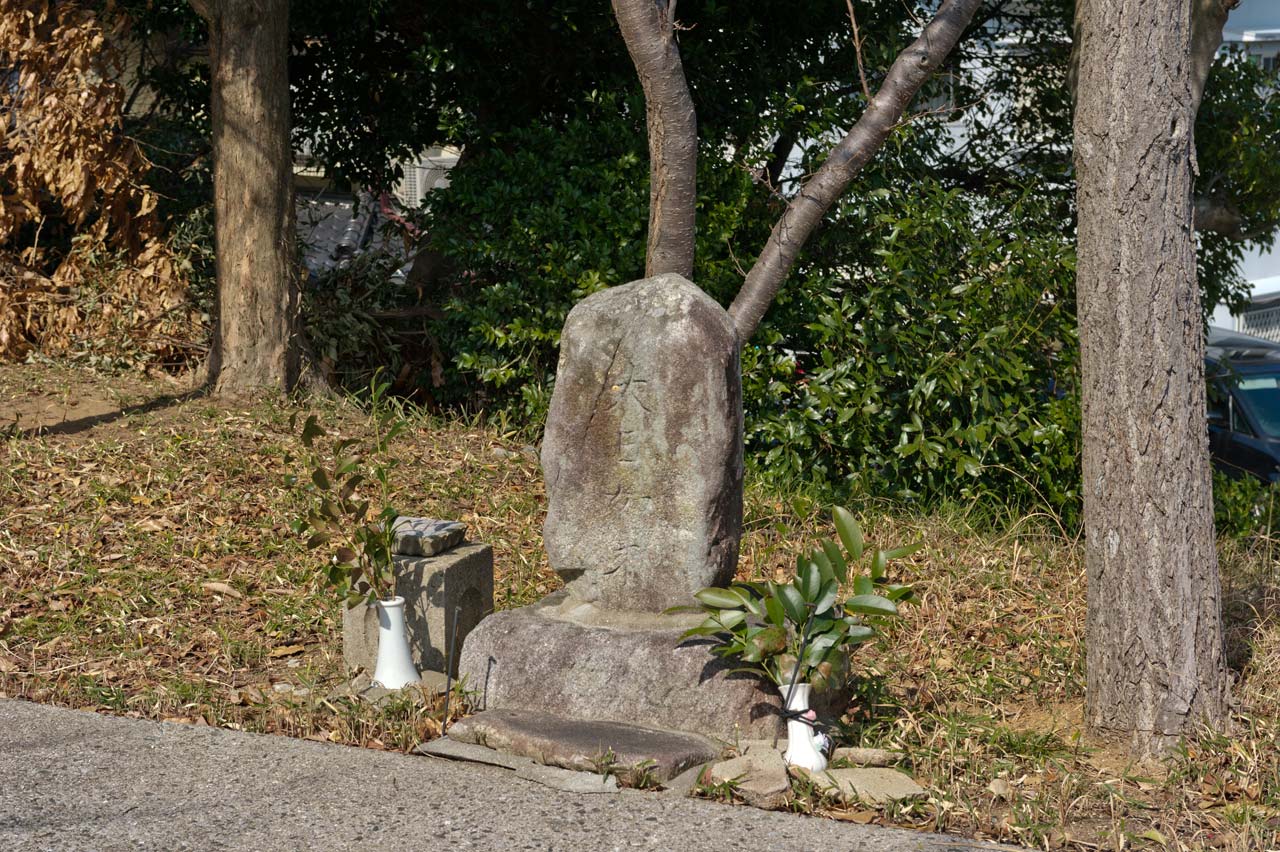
pixel 433 587
pixel 571 659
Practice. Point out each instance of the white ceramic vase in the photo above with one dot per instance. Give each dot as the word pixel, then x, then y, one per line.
pixel 802 745
pixel 394 668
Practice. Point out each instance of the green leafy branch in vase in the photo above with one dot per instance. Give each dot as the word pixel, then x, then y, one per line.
pixel 803 631
pixel 360 536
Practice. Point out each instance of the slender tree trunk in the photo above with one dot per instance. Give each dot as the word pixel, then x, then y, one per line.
pixel 256 336
pixel 648 29
pixel 1155 649
pixel 909 72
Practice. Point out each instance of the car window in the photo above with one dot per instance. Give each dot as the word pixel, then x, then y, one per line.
pixel 1260 394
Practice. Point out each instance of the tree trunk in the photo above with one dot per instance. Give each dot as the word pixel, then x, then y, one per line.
pixel 649 31
pixel 909 72
pixel 1155 649
pixel 256 335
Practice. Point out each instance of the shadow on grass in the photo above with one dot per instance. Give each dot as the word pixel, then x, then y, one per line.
pixel 82 424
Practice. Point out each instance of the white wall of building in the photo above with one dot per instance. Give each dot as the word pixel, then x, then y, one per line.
pixel 1261 269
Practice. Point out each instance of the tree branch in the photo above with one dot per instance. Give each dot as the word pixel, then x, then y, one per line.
pixel 648 28
pixel 203 8
pixel 1207 19
pixel 909 72
pixel 1217 216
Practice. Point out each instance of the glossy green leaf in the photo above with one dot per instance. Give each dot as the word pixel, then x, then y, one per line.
pixel 719 598
pixel 878 563
pixel 838 564
pixel 792 603
pixel 774 612
pixel 827 596
pixel 870 605
pixel 849 531
pixel 903 552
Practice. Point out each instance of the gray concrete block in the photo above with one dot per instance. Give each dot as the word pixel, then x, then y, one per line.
pixel 433 587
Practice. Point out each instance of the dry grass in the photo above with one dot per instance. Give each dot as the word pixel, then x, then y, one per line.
pixel 109 533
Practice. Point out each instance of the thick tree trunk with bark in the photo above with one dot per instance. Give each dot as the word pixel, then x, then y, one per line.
pixel 256 337
pixel 909 72
pixel 1155 649
pixel 648 28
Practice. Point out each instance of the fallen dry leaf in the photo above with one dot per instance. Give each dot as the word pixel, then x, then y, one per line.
pixel 287 650
pixel 1001 789
pixel 860 817
pixel 8 665
pixel 222 589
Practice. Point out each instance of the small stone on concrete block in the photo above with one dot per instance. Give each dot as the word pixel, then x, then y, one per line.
pixel 426 536
pixel 639 756
pixel 759 776
pixel 876 785
pixel 683 784
pixel 433 588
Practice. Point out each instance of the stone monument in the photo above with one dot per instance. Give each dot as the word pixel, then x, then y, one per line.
pixel 643 463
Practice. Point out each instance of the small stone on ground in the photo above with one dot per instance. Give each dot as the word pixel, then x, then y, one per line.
pixel 760 777
pixel 876 785
pixel 639 755
pixel 683 784
pixel 865 756
pixel 362 688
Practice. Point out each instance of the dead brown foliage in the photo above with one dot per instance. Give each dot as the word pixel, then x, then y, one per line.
pixel 72 194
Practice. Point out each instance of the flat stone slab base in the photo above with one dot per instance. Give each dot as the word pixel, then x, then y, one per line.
pixel 566 658
pixel 638 755
pixel 550 776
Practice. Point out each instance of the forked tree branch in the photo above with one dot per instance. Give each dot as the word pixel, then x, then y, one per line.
pixel 648 28
pixel 908 73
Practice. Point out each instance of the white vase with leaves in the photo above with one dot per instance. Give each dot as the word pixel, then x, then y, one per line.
pixel 340 494
pixel 802 632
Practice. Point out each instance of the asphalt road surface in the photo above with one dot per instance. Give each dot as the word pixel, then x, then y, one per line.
pixel 72 780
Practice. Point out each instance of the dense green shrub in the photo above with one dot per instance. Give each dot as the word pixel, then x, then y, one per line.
pixel 544 220
pixel 932 355
pixel 923 348
pixel 1244 506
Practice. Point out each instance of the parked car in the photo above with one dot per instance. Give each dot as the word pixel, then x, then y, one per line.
pixel 1243 375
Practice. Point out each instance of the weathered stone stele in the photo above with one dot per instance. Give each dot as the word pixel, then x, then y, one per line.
pixel 642 457
pixel 643 447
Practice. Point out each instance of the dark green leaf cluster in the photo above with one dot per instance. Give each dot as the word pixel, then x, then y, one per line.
pixel 927 352
pixel 1244 506
pixel 803 631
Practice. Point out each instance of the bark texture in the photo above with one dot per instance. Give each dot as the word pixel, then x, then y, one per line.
pixel 1155 649
pixel 256 342
pixel 908 73
pixel 648 28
